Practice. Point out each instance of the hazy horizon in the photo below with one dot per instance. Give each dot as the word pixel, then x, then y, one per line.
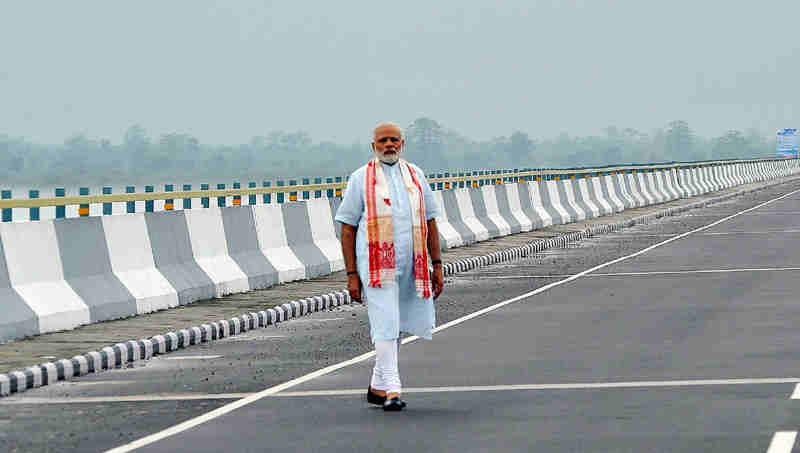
pixel 225 73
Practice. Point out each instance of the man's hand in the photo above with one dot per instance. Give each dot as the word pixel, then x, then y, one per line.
pixel 354 287
pixel 437 281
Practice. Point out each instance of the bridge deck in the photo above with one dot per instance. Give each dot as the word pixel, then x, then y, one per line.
pixel 687 347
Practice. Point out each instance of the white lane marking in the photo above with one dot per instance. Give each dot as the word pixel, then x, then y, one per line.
pixel 782 442
pixel 446 389
pixel 750 232
pixel 716 234
pixel 796 393
pixel 782 213
pixel 637 274
pixel 220 411
pixel 124 399
pixel 256 338
pixel 147 440
pixel 569 386
pixel 74 383
pixel 192 357
pixel 295 321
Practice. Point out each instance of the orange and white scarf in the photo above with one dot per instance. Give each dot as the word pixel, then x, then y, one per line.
pixel 380 240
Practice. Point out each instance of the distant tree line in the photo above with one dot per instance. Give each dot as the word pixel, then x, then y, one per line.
pixel 176 158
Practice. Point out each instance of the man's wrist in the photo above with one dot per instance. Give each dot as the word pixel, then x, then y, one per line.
pixel 435 262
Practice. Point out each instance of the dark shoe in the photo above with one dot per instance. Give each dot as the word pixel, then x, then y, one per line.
pixel 394 405
pixel 374 398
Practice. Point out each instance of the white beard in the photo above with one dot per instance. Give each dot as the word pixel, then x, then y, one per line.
pixel 390 159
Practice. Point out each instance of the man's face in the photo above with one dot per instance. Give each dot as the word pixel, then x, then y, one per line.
pixel 388 144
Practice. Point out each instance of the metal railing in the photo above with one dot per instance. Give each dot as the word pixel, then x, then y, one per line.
pixel 293 191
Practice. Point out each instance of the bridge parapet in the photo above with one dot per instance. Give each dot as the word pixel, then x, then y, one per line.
pixel 107 203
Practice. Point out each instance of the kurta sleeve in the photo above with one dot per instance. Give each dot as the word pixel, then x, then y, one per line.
pixel 352 206
pixel 431 208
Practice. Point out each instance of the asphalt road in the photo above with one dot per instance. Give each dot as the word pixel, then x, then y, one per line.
pixel 687 347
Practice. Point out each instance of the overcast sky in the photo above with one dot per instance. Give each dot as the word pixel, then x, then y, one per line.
pixel 226 71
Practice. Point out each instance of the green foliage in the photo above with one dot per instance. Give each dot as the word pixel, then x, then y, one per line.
pixel 175 158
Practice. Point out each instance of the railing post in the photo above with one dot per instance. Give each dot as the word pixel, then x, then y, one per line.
pixel 204 201
pixel 83 210
pixel 187 202
pixel 34 212
pixel 149 204
pixel 267 196
pixel 251 199
pixel 6 195
pixel 130 206
pixel 169 203
pixel 237 199
pixel 106 206
pixel 220 200
pixel 61 211
pixel 293 195
pixel 279 198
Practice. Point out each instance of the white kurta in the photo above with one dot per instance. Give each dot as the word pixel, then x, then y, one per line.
pixel 396 307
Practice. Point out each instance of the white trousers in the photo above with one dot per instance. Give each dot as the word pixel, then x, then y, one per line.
pixel 385 374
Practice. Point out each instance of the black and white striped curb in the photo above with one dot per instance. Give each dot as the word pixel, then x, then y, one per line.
pixel 124 354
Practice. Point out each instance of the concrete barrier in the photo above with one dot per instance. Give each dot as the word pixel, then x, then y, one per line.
pixel 478 206
pixel 488 198
pixel 87 269
pixel 685 183
pixel 583 200
pixel 601 196
pixel 633 188
pixel 35 273
pixel 274 244
pixel 244 250
pixel 619 181
pixel 131 257
pixel 60 274
pixel 699 179
pixel 585 196
pixel 465 207
pixel 301 241
pixel 606 184
pixel 210 251
pixel 449 237
pixel 323 234
pixel 509 196
pixel 448 204
pixel 172 254
pixel 668 180
pixel 531 201
pixel 19 319
pixel 552 199
pixel 567 196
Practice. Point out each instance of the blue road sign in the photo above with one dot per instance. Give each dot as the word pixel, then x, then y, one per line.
pixel 786 144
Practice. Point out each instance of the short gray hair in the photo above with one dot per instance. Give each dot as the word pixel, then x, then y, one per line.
pixel 387 124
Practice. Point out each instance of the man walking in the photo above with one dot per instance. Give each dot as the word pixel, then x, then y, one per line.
pixel 388 234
